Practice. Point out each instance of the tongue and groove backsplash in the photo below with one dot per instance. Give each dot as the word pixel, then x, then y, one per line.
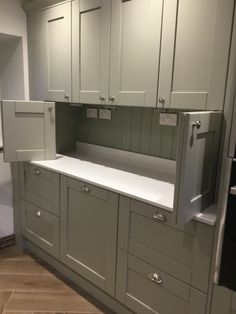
pixel 131 129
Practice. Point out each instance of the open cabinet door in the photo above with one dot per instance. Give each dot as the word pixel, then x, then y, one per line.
pixel 197 157
pixel 28 130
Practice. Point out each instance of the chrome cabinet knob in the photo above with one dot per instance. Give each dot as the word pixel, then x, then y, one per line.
pixel 112 98
pixel 66 97
pixel 196 124
pixel 37 171
pixel 50 108
pixel 159 217
pixel 156 278
pixel 85 188
pixel 161 100
pixel 38 213
pixel 102 98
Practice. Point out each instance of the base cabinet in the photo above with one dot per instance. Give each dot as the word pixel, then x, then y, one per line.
pixel 88 231
pixel 147 290
pixel 223 301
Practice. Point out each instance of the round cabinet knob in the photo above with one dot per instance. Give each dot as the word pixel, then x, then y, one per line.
pixel 102 98
pixel 50 108
pixel 159 217
pixel 38 213
pixel 156 278
pixel 197 124
pixel 66 97
pixel 112 98
pixel 37 171
pixel 161 100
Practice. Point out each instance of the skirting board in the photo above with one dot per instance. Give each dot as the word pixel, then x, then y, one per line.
pixel 82 283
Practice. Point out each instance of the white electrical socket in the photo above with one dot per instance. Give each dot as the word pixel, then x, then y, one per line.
pixel 168 119
pixel 105 114
pixel 92 113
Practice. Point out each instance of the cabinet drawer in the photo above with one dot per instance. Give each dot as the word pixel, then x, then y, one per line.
pixel 184 253
pixel 147 290
pixel 40 227
pixel 40 187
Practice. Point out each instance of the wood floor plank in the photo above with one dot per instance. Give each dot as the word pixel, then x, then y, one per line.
pixel 65 302
pixel 4 297
pixel 22 267
pixel 13 253
pixel 26 282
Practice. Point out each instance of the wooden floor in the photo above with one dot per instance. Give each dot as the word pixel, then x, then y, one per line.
pixel 26 287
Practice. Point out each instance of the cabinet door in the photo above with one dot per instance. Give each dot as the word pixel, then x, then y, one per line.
pixel 57 26
pixel 88 227
pixel 194 53
pixel 197 157
pixel 91 50
pixel 28 130
pixel 135 49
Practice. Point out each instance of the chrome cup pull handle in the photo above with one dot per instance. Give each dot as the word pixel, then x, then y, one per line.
pixel 85 188
pixel 159 217
pixel 156 278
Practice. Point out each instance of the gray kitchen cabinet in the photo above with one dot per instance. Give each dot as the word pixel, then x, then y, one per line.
pixel 195 47
pixel 40 227
pixel 49 38
pixel 90 47
pixel 223 301
pixel 147 290
pixel 40 187
pixel 150 234
pixel 135 50
pixel 123 70
pixel 28 130
pixel 88 231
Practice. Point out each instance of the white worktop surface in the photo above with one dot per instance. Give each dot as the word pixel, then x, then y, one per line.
pixel 157 190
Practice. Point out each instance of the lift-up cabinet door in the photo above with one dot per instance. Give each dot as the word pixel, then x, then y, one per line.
pixel 197 158
pixel 28 130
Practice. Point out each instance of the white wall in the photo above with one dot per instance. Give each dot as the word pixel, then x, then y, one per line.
pixel 13 22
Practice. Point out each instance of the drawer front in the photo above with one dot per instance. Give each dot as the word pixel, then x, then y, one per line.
pixel 183 253
pixel 40 187
pixel 147 290
pixel 40 227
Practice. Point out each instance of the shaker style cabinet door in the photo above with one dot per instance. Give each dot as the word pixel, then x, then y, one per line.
pixel 49 36
pixel 135 49
pixel 28 130
pixel 90 51
pixel 194 53
pixel 88 231
pixel 197 158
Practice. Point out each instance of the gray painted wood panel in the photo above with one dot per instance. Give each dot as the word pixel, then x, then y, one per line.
pixel 184 253
pixel 221 300
pixel 144 296
pixel 88 231
pixel 28 130
pixel 132 129
pixel 197 159
pixel 40 227
pixel 40 187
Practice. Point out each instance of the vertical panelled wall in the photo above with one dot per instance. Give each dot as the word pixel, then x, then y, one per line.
pixel 132 129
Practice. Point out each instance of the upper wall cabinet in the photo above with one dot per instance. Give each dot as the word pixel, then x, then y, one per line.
pixel 164 53
pixel 123 70
pixel 49 33
pixel 194 53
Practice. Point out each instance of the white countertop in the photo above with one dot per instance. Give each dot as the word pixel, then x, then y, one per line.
pixel 147 179
pixel 152 191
